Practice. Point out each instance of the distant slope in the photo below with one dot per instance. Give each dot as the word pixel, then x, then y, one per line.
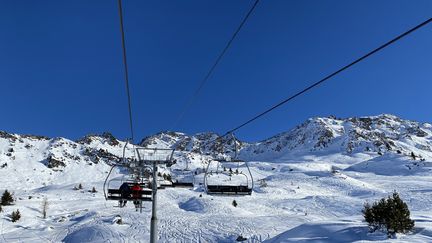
pixel 340 140
pixel 379 134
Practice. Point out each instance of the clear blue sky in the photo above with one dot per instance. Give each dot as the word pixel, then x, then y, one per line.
pixel 61 72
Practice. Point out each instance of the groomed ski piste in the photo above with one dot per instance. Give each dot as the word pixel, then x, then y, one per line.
pixel 302 193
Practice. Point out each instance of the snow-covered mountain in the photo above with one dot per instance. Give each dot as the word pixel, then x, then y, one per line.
pixel 206 143
pixel 39 160
pixel 310 183
pixel 380 134
pixel 330 135
pixel 368 136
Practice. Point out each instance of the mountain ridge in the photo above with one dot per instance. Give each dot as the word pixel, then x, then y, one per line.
pixel 372 134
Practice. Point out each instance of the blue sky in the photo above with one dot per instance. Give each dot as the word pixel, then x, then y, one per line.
pixel 61 70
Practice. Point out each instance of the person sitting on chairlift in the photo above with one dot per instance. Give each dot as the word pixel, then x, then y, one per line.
pixel 136 189
pixel 125 193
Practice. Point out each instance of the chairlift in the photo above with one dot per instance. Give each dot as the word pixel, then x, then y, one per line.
pixel 113 186
pixel 178 180
pixel 178 176
pixel 244 187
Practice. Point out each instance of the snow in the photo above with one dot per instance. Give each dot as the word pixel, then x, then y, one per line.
pixel 302 193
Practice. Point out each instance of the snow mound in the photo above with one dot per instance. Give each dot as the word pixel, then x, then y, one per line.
pixel 94 233
pixel 327 232
pixel 390 165
pixel 193 205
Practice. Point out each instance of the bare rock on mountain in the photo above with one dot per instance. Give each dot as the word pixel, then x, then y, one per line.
pixel 54 162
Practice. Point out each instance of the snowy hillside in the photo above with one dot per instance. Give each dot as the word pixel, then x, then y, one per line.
pixel 380 134
pixel 310 185
pixel 372 135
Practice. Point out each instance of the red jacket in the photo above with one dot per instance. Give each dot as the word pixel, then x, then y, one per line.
pixel 135 191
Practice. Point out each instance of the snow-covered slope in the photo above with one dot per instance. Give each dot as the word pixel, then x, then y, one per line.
pixel 310 185
pixel 379 134
pixel 28 161
pixel 374 135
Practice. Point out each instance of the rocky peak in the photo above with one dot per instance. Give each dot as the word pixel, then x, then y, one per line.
pixel 379 134
pixel 104 137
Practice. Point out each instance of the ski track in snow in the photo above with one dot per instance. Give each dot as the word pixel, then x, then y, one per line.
pixel 291 199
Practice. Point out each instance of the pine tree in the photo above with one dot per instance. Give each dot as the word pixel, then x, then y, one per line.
pixel 413 156
pixel 7 198
pixel 93 190
pixel 390 214
pixel 15 216
pixel 80 186
pixel 399 219
pixel 1 209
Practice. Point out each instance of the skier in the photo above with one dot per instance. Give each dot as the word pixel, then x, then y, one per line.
pixel 136 189
pixel 125 194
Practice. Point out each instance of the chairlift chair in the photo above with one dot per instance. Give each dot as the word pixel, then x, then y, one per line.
pixel 244 188
pixel 112 190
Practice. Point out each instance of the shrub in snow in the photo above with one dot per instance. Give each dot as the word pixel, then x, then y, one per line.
pixel 118 219
pixel 15 216
pixel 241 238
pixel 263 183
pixel 334 170
pixel 79 187
pixel 7 198
pixel 44 207
pixel 234 203
pixel 391 214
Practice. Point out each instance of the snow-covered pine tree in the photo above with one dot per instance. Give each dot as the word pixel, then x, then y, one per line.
pixel 15 216
pixel 7 198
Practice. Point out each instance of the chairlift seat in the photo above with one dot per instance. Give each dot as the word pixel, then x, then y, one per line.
pixel 229 189
pixel 183 184
pixel 143 195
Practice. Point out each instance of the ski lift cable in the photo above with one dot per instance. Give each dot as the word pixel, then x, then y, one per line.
pixel 330 76
pixel 192 99
pixel 381 47
pixel 126 74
